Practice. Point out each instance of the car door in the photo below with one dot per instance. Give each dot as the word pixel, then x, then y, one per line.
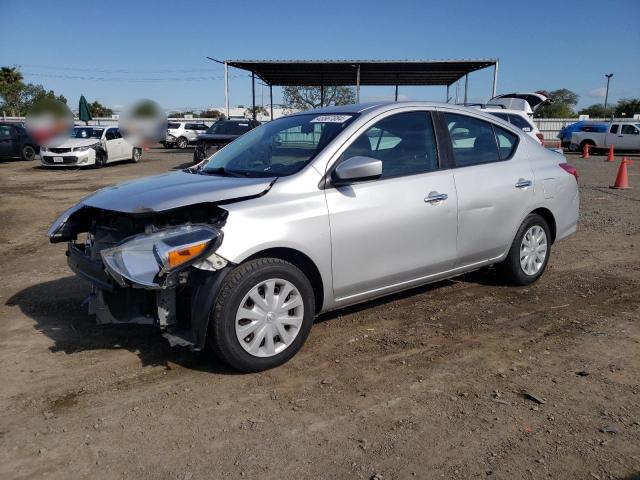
pixel 628 137
pixel 114 150
pixel 125 150
pixel 7 141
pixel 401 227
pixel 493 183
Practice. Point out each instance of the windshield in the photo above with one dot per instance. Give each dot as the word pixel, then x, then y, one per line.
pixel 87 132
pixel 281 147
pixel 229 128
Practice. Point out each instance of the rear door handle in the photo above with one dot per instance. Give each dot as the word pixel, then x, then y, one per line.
pixel 522 183
pixel 435 197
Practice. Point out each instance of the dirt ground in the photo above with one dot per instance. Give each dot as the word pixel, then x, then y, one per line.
pixel 431 383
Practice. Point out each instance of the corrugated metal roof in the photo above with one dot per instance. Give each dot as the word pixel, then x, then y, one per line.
pixel 372 72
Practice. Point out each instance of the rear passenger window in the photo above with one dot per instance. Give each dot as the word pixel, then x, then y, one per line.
pixel 520 122
pixel 405 143
pixel 614 129
pixel 472 139
pixel 506 142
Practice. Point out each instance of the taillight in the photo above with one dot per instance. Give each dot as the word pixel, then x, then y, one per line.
pixel 570 169
pixel 540 137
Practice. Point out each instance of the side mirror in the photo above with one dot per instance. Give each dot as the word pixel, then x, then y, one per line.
pixel 356 169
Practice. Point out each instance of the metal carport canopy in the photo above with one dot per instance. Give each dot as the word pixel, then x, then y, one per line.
pixel 318 73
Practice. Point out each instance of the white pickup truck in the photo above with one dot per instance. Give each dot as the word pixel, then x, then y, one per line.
pixel 623 136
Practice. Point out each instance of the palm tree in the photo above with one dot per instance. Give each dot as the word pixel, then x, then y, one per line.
pixel 10 88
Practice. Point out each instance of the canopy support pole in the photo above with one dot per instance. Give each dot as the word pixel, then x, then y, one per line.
pixel 358 84
pixel 495 78
pixel 466 87
pixel 271 99
pixel 253 95
pixel 396 99
pixel 226 87
pixel 447 100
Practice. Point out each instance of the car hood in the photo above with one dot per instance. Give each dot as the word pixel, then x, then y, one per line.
pixel 175 190
pixel 78 142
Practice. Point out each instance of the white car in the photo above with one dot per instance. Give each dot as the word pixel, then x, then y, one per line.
pixel 90 146
pixel 519 119
pixel 181 134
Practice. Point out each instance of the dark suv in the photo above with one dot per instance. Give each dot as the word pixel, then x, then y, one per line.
pixel 16 142
pixel 220 134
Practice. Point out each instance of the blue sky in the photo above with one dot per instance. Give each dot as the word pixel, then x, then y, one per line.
pixel 117 52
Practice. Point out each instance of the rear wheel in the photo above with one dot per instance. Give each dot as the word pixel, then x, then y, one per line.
pixel 28 152
pixel 529 253
pixel 592 148
pixel 262 316
pixel 182 143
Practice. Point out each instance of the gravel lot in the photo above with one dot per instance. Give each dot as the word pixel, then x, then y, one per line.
pixel 461 379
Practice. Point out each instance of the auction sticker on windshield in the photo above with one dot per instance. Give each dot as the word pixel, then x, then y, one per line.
pixel 331 119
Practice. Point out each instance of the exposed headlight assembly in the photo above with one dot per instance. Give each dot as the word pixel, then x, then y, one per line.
pixel 86 147
pixel 152 261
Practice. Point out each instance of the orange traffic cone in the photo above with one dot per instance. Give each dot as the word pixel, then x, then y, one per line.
pixel 610 156
pixel 622 179
pixel 585 151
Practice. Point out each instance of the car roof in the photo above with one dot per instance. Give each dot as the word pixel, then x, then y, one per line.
pixel 520 113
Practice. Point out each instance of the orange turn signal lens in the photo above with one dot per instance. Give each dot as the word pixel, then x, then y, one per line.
pixel 178 257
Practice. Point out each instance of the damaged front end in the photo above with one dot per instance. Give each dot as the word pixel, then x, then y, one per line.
pixel 153 268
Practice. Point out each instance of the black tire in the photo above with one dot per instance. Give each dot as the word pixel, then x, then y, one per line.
pixel 510 268
pixel 222 335
pixel 101 160
pixel 28 153
pixel 136 154
pixel 182 143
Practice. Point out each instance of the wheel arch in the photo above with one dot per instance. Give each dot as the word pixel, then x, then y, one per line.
pixel 549 218
pixel 301 261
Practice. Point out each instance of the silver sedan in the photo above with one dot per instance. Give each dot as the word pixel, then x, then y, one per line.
pixel 313 212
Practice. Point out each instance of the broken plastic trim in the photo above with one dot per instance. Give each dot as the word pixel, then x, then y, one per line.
pixel 139 260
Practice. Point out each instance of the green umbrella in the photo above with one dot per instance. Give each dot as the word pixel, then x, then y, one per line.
pixel 84 112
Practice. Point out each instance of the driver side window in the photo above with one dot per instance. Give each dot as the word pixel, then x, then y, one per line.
pixel 405 143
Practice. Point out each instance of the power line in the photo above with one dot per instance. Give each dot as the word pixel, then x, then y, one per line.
pixel 131 79
pixel 126 71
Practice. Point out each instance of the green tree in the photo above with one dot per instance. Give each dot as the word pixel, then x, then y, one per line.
pixel 627 107
pixel 215 114
pixel 18 97
pixel 99 110
pixel 596 111
pixel 564 101
pixel 181 114
pixel 305 98
pixel 11 87
pixel 259 110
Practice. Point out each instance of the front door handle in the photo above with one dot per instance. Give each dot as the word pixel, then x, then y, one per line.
pixel 522 183
pixel 434 198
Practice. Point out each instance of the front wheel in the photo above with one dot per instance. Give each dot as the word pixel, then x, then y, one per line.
pixel 262 316
pixel 100 161
pixel 28 152
pixel 529 253
pixel 136 154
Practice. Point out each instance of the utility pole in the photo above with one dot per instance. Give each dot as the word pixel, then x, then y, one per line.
pixel 606 96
